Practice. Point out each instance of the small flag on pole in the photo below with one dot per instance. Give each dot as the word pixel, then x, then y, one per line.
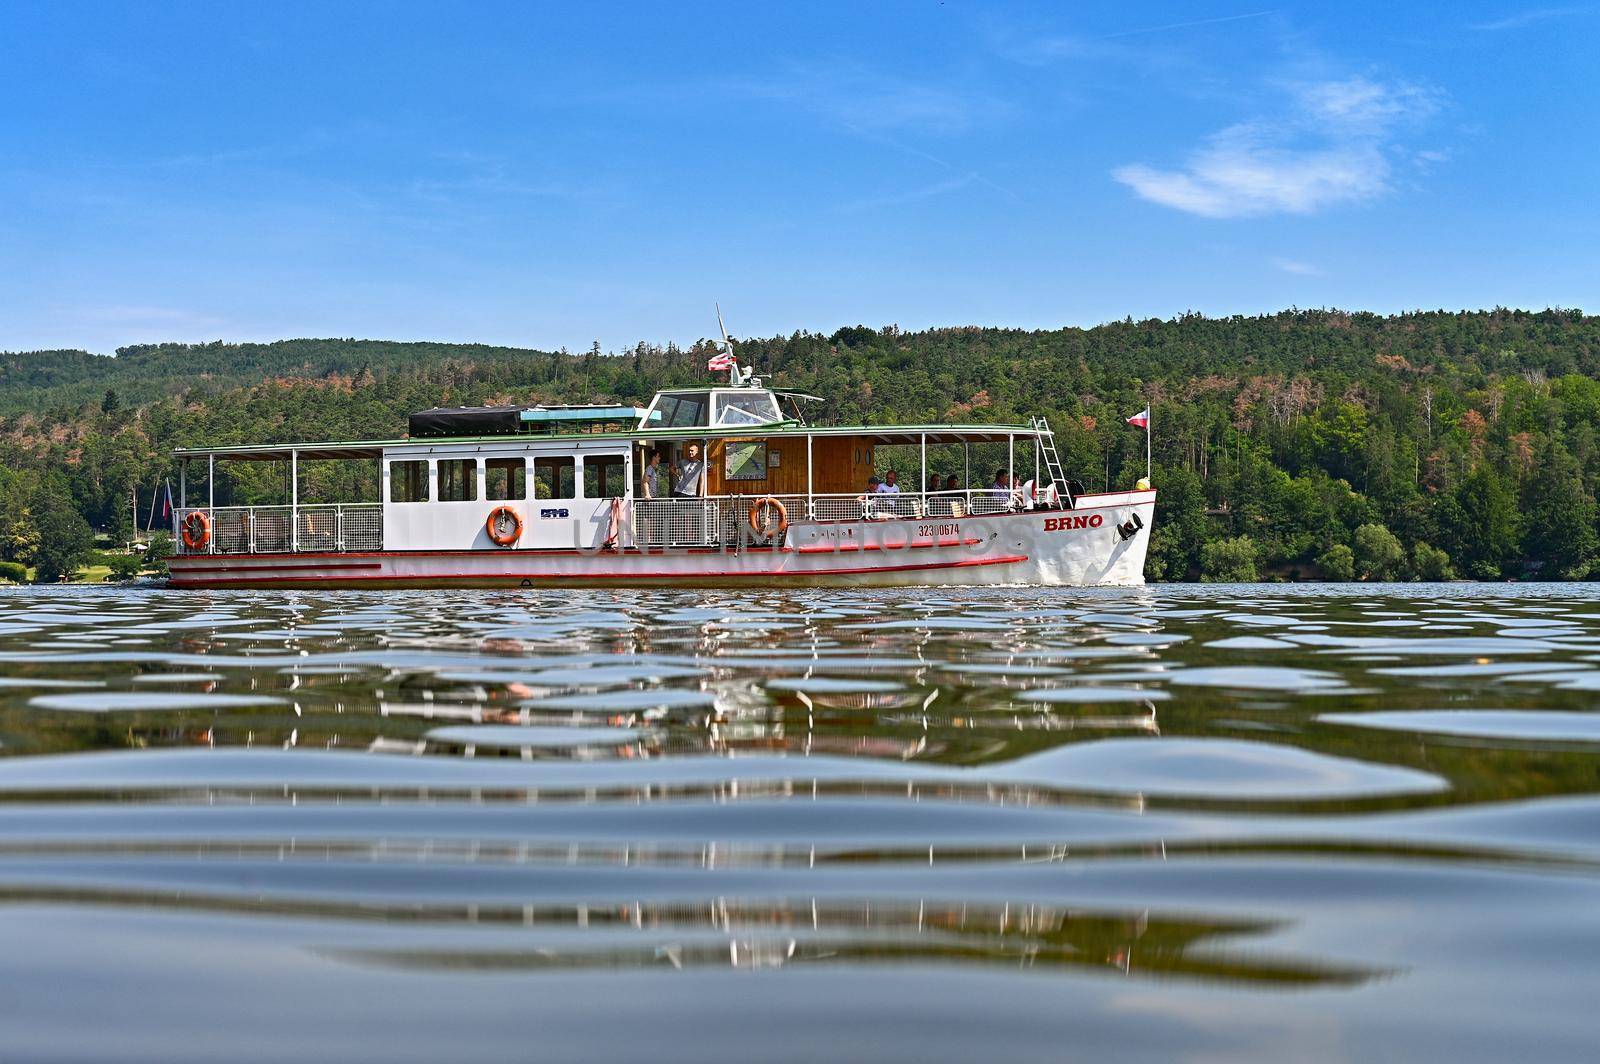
pixel 1141 419
pixel 719 362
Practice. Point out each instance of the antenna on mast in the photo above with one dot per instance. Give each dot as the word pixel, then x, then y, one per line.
pixel 725 346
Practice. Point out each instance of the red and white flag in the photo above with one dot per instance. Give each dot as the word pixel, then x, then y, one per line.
pixel 1141 419
pixel 722 361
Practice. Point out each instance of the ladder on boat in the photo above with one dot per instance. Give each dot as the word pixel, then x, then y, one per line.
pixel 1052 460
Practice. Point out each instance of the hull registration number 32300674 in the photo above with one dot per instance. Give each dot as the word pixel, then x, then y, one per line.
pixel 930 531
pixel 1067 524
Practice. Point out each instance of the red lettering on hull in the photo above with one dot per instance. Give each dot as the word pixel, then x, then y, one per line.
pixel 1075 521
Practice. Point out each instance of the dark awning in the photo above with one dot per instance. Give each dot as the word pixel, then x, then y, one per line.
pixel 455 421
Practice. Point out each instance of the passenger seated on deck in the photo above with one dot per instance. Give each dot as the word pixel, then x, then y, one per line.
pixel 890 485
pixel 1001 488
pixel 872 484
pixel 952 483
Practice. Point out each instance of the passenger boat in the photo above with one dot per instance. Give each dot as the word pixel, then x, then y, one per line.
pixel 535 496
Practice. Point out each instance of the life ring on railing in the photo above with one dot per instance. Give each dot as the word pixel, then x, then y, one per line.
pixel 504 526
pixel 760 522
pixel 196 529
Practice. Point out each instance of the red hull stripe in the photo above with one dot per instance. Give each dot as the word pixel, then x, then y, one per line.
pixel 1010 559
pixel 319 567
pixel 847 548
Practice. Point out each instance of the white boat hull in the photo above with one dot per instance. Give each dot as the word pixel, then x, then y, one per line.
pixel 1078 547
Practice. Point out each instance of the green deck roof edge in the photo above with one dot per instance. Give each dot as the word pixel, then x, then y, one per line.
pixel 783 428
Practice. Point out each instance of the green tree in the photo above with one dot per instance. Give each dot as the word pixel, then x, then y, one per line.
pixel 124 566
pixel 1560 522
pixel 21 542
pixel 65 538
pixel 1229 561
pixel 1338 562
pixel 1480 520
pixel 1379 554
pixel 159 550
pixel 1431 563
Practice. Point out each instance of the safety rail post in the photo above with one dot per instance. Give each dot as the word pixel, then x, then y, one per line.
pixel 250 519
pixel 294 501
pixel 338 528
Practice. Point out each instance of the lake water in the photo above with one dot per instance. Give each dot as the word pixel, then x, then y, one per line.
pixel 1213 823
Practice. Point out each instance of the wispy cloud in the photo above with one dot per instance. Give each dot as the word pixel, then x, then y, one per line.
pixel 1296 267
pixel 1184 25
pixel 1333 143
pixel 869 101
pixel 1526 18
pixel 929 191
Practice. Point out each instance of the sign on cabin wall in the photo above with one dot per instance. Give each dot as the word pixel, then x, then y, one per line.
pixel 744 460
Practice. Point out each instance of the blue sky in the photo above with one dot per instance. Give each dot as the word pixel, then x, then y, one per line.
pixel 548 174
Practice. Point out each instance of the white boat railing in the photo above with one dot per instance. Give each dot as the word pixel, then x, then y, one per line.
pixel 657 523
pixel 329 527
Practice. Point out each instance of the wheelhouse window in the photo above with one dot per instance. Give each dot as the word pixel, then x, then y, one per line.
pixel 555 478
pixel 408 481
pixel 458 479
pixel 505 478
pixel 679 411
pixel 747 408
pixel 604 476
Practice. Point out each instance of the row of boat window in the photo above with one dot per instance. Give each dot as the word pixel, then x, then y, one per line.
pixel 602 476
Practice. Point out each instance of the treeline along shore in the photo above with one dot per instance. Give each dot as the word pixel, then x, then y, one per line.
pixel 1300 445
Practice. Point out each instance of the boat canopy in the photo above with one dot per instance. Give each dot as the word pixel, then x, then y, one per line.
pixel 457 421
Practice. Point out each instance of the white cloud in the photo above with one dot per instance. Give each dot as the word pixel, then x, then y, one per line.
pixel 1332 146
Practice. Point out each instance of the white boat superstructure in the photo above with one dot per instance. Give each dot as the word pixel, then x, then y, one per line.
pixel 705 486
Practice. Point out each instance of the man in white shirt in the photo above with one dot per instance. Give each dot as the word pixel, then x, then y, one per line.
pixel 890 485
pixel 690 473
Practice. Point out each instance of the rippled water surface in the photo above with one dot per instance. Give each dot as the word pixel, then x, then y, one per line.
pixel 1002 824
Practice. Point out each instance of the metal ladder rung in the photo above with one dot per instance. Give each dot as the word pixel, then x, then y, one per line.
pixel 1047 449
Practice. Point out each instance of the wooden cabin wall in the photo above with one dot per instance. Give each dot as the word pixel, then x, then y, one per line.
pixel 840 464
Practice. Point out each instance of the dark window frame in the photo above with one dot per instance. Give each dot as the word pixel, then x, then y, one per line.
pixel 402 478
pixel 469 481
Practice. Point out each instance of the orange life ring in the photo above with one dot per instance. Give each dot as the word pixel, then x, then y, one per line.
pixel 503 534
pixel 764 528
pixel 196 529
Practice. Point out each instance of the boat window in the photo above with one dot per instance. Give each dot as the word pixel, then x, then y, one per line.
pixel 750 408
pixel 681 411
pixel 458 479
pixel 505 478
pixel 604 476
pixel 408 481
pixel 553 478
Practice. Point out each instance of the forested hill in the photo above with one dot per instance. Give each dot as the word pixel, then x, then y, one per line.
pixel 43 380
pixel 1305 443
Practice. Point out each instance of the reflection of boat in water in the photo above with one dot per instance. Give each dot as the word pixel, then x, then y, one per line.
pixel 730 933
pixel 744 492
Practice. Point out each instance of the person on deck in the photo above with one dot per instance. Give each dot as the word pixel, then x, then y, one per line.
pixel 653 475
pixel 890 485
pixel 952 483
pixel 1001 488
pixel 691 473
